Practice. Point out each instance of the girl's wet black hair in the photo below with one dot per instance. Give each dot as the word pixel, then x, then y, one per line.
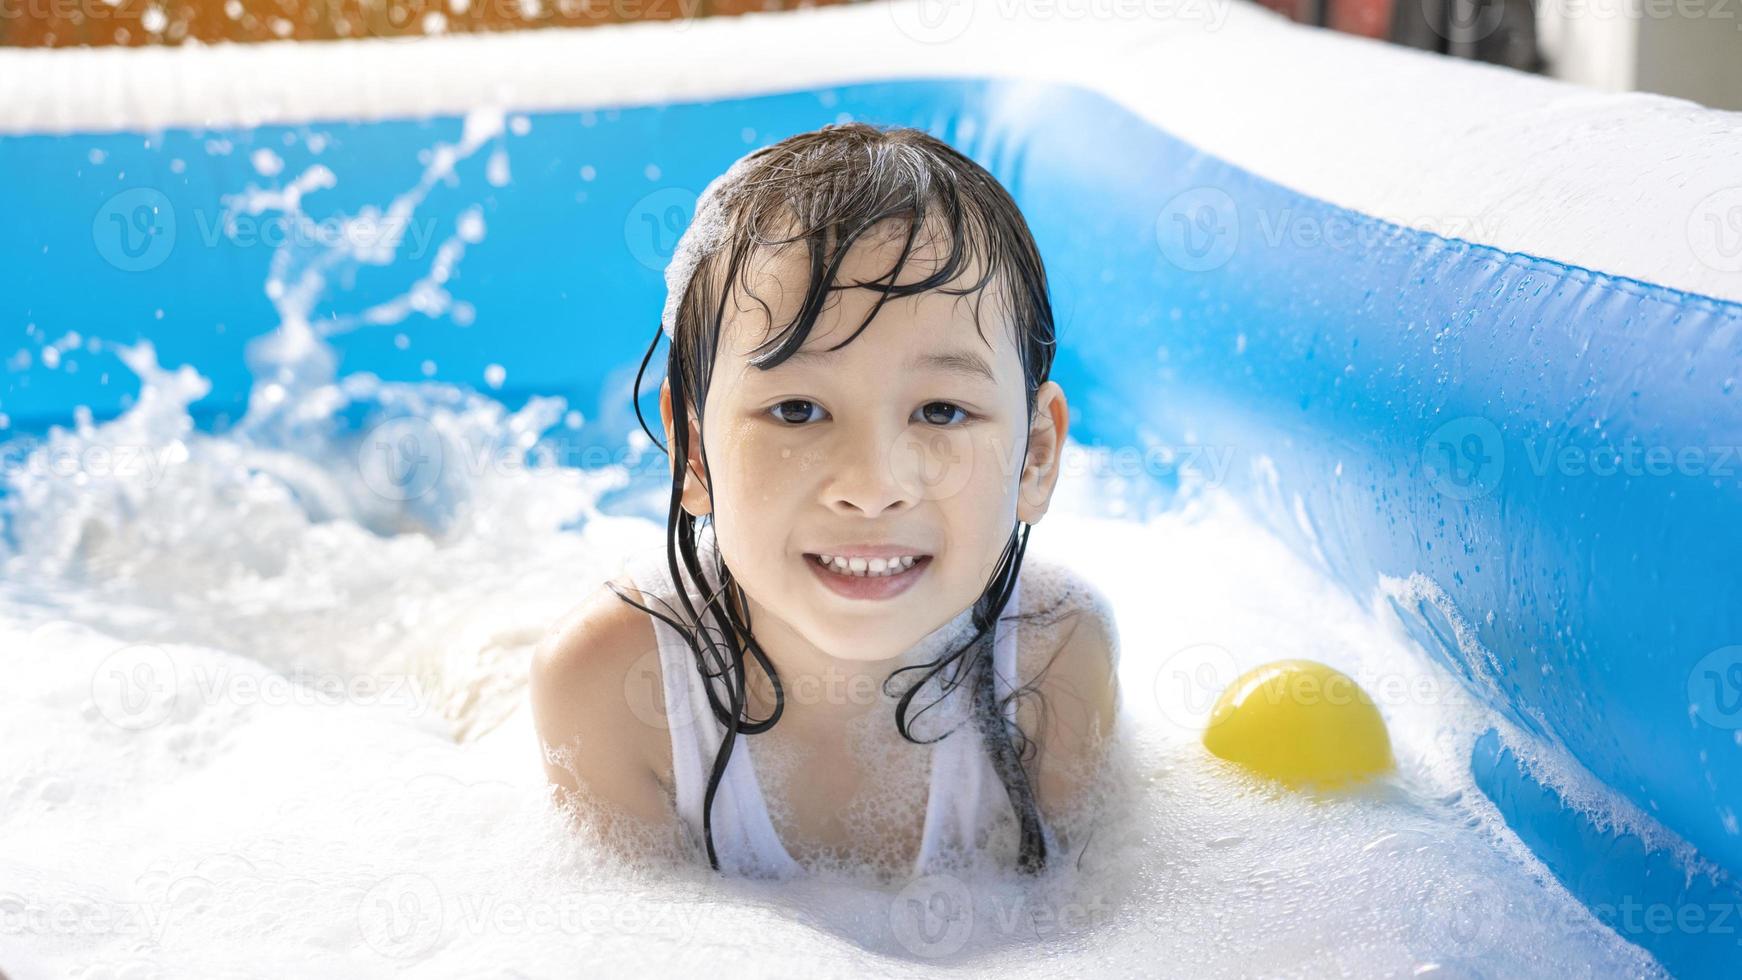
pixel 828 189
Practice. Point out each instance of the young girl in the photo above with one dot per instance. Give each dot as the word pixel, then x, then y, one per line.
pixel 858 669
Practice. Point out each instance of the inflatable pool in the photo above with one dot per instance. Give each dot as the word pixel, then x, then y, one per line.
pixel 1467 340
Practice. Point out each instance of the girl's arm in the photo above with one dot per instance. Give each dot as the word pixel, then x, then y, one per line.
pixel 598 747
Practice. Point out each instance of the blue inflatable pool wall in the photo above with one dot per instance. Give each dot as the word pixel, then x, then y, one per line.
pixel 1543 455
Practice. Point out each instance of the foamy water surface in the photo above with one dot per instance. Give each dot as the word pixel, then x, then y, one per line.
pixel 266 716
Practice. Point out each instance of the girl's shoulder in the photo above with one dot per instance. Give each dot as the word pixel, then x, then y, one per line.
pixel 1067 655
pixel 597 702
pixel 1063 616
pixel 601 633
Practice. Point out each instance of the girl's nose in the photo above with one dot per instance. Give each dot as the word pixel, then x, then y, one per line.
pixel 899 469
pixel 873 477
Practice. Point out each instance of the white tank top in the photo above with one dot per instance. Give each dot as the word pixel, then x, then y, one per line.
pixel 965 799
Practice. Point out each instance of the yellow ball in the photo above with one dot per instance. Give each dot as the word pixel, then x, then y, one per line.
pixel 1300 722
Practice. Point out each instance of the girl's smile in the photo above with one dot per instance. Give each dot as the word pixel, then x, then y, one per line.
pixel 855 576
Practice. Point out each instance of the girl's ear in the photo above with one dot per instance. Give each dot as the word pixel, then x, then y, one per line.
pixel 696 499
pixel 1046 444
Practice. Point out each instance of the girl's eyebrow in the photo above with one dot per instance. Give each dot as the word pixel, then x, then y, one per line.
pixel 967 363
pixel 964 362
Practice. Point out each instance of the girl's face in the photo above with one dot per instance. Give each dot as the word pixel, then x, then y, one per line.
pixel 909 440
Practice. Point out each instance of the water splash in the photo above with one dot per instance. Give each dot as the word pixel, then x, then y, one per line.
pixel 313 531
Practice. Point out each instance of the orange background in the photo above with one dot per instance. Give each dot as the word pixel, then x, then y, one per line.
pixel 66 23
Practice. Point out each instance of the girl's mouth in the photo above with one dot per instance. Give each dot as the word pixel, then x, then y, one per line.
pixel 874 579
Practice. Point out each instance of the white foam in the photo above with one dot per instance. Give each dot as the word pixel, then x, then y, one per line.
pixel 373 829
pixel 705 235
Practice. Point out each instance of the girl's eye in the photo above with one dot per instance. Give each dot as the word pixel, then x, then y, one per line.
pixel 795 411
pixel 933 410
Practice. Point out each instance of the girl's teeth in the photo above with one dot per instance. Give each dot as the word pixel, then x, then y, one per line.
pixel 868 567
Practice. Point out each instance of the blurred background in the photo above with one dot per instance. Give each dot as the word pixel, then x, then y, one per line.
pixel 1686 48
